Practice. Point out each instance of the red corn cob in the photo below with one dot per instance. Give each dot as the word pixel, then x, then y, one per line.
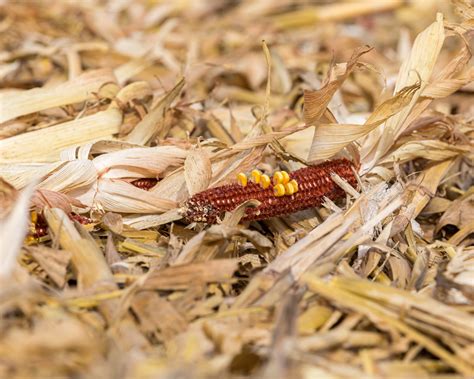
pixel 314 183
pixel 145 183
pixel 40 228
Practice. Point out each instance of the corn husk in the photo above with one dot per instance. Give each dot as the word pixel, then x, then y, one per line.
pixel 37 99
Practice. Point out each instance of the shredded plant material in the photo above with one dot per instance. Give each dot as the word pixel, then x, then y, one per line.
pixel 236 189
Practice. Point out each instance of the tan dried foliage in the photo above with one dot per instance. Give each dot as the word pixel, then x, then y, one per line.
pixel 113 113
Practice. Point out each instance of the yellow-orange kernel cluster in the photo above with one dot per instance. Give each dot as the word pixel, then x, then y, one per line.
pixel 282 185
pixel 256 177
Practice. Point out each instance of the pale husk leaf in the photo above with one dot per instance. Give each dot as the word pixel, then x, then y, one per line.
pixel 329 139
pixel 147 127
pixel 45 145
pixel 74 91
pixel 197 170
pixel 150 161
pixel 418 67
pixel 119 196
pixel 13 229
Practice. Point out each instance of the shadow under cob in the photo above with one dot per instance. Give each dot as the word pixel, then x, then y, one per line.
pixel 314 183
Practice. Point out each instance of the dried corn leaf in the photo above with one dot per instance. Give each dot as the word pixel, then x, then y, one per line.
pixel 329 139
pixel 54 262
pixel 119 196
pixel 155 313
pixel 69 176
pixel 86 255
pixel 379 313
pixel 332 12
pixel 79 89
pixel 138 162
pixel 460 212
pixel 197 170
pixel 432 150
pixel 8 197
pixel 146 128
pixel 45 145
pixel 192 274
pixel 20 175
pixel 315 102
pixel 418 67
pixel 13 229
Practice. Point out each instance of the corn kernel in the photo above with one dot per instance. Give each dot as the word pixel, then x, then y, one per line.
pixel 289 189
pixel 294 183
pixel 242 179
pixel 265 181
pixel 256 176
pixel 277 178
pixel 286 177
pixel 279 190
pixel 34 217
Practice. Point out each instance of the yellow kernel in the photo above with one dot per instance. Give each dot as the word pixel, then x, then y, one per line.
pixel 277 178
pixel 289 189
pixel 265 181
pixel 279 190
pixel 256 175
pixel 286 177
pixel 34 217
pixel 242 179
pixel 294 183
pixel 29 240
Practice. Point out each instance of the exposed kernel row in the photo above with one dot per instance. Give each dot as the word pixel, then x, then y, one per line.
pixel 282 185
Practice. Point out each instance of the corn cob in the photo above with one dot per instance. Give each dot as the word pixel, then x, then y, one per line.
pixel 145 183
pixel 299 190
pixel 39 226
